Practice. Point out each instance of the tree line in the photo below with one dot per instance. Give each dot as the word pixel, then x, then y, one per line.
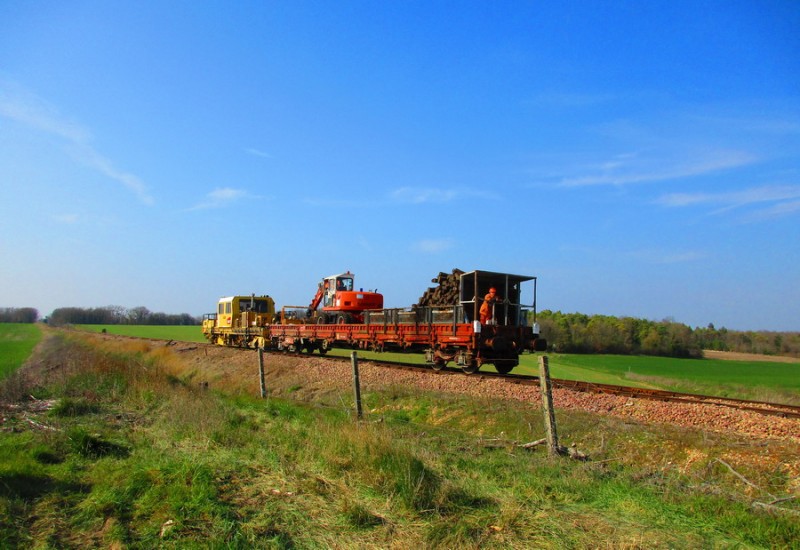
pixel 581 333
pixel 18 315
pixel 117 315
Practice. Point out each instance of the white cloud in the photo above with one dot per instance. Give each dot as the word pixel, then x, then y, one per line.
pixel 226 194
pixel 664 257
pixel 673 145
pixel 258 153
pixel 221 197
pixel 421 195
pixel 767 193
pixel 776 211
pixel 784 199
pixel 364 243
pixel 89 156
pixel 36 113
pixel 633 168
pixel 67 218
pixel 32 111
pixel 416 195
pixel 568 100
pixel 433 246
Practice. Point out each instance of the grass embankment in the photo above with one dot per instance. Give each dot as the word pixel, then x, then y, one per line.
pixel 776 382
pixel 17 341
pixel 180 333
pixel 135 453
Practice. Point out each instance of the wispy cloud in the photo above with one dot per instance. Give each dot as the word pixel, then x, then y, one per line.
pixel 417 195
pixel 222 197
pixel 364 243
pixel 783 200
pixel 339 202
pixel 422 195
pixel 775 211
pixel 633 168
pixel 568 99
pixel 33 111
pixel 67 218
pixel 666 257
pixel 649 255
pixel 675 143
pixel 767 193
pixel 433 246
pixel 257 153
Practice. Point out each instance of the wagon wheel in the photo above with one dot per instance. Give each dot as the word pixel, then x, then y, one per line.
pixel 472 367
pixel 504 367
pixel 438 364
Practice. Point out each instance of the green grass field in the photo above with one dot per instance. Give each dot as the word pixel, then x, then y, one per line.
pixel 17 341
pixel 757 380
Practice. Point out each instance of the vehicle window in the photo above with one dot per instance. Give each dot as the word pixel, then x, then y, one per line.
pixel 345 284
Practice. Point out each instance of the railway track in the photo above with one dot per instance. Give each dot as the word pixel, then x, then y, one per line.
pixel 767 409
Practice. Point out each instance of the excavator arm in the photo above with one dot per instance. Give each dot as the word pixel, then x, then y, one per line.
pixel 317 299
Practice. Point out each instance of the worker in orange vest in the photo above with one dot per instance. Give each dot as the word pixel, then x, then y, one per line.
pixel 487 308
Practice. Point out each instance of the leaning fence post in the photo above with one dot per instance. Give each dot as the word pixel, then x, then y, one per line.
pixel 547 404
pixel 356 385
pixel 261 371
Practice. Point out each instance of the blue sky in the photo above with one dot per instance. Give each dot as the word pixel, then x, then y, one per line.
pixel 641 158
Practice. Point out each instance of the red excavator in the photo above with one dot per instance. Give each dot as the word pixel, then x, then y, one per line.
pixel 341 303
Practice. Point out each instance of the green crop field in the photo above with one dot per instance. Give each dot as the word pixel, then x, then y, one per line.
pixel 16 344
pixel 760 380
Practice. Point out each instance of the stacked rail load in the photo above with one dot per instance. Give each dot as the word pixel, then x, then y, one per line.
pixel 445 325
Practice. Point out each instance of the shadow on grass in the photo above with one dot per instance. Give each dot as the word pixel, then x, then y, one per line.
pixel 93 446
pixel 29 487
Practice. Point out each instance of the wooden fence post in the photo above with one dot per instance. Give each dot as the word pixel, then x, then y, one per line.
pixel 547 404
pixel 261 372
pixel 356 385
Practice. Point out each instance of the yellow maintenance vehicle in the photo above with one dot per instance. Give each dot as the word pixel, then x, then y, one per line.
pixel 240 321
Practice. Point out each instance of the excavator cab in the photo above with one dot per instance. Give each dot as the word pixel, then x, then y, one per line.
pixel 340 302
pixel 333 284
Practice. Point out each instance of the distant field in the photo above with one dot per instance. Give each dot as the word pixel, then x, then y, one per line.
pixel 757 379
pixel 760 379
pixel 17 341
pixel 192 333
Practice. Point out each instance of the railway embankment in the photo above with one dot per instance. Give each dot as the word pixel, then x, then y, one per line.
pixel 313 375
